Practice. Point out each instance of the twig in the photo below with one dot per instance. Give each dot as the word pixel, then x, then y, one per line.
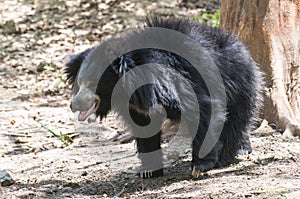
pixel 66 143
pixel 120 193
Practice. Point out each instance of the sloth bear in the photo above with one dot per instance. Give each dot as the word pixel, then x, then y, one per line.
pixel 241 80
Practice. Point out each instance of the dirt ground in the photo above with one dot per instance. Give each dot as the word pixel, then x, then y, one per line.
pixel 35 39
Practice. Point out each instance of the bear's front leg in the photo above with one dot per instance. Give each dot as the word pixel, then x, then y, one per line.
pixel 200 165
pixel 245 147
pixel 151 156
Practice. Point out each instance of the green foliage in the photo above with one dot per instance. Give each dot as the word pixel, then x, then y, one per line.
pixel 209 19
pixel 63 138
pixel 282 195
pixel 3 153
pixel 233 165
pixel 50 68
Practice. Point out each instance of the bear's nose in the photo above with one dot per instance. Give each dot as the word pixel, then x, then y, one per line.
pixel 74 107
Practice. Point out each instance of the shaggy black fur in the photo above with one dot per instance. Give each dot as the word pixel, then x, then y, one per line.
pixel 242 81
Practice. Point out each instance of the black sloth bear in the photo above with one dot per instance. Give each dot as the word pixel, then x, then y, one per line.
pixel 240 76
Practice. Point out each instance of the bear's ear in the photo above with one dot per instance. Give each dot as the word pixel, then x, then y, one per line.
pixel 74 64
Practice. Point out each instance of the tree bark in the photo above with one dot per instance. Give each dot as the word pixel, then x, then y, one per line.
pixel 271 30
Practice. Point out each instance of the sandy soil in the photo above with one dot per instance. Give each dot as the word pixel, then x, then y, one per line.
pixel 96 165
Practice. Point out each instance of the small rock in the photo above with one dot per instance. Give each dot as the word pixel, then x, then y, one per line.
pixel 85 173
pixel 9 27
pixel 6 179
pixel 67 189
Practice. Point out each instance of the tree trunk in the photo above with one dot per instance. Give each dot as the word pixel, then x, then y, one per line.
pixel 271 30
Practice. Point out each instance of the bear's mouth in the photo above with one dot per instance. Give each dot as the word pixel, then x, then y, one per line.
pixel 83 115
